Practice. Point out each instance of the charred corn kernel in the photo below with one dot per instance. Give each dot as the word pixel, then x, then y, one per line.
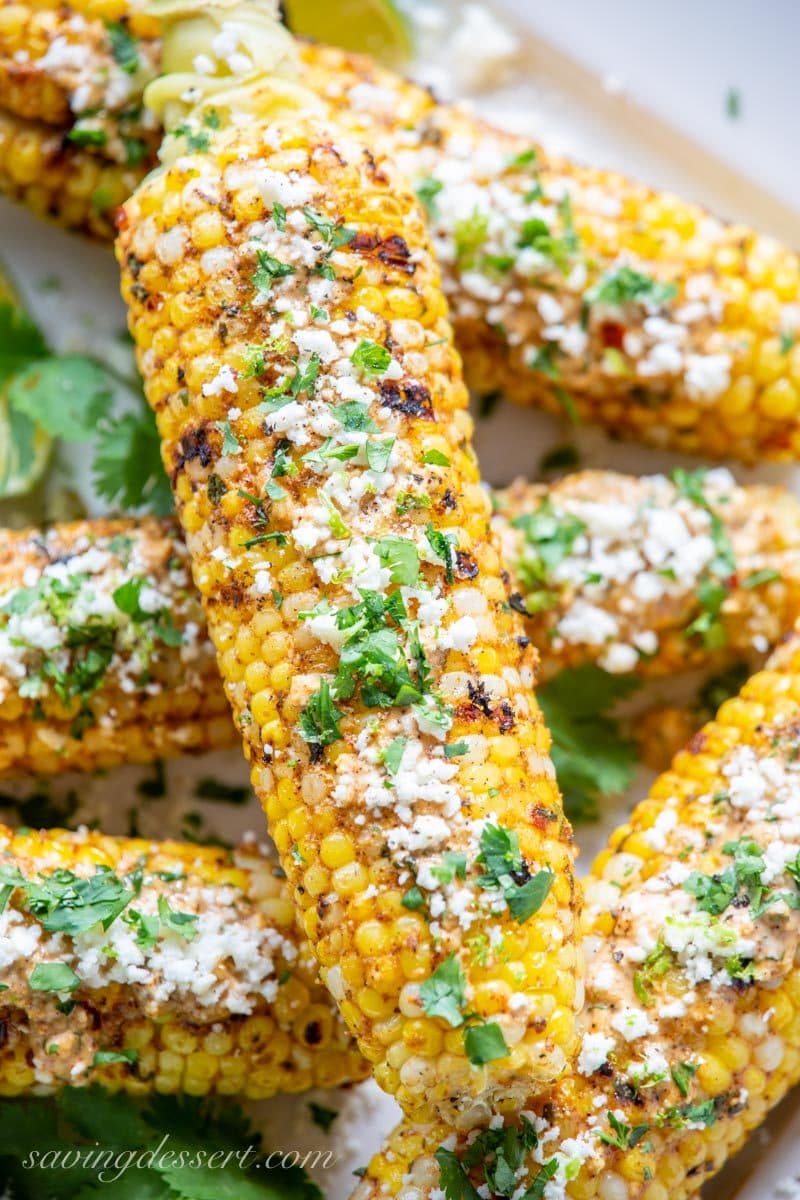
pixel 168 1033
pixel 679 1061
pixel 369 703
pixel 591 350
pixel 659 620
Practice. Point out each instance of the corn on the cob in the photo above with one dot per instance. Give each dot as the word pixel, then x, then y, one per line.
pixel 158 966
pixel 571 288
pixel 651 575
pixel 596 520
pixel 59 182
pixel 692 1023
pixel 104 653
pixel 339 536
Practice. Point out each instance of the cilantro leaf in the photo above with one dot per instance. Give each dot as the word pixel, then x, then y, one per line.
pixel 371 358
pixel 401 557
pixel 67 395
pixel 127 467
pixel 444 993
pixel 319 720
pixel 53 977
pixel 485 1043
pixel 268 269
pixel 591 756
pixel 426 190
pixel 626 286
pixel 123 47
pixel 453 1178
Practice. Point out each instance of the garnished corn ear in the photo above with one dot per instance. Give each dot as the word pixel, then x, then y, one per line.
pixel 651 576
pixel 291 331
pixel 692 1023
pixel 106 657
pixel 572 288
pixel 161 967
pixel 64 184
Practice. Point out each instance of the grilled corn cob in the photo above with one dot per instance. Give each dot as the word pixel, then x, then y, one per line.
pixel 651 575
pixel 292 335
pixel 572 288
pixel 104 652
pixel 596 520
pixel 692 1022
pixel 58 181
pixel 164 967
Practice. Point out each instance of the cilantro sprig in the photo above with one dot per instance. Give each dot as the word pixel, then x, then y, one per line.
pixel 591 755
pixel 70 396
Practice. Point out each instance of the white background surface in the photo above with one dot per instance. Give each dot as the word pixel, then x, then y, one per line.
pixel 676 60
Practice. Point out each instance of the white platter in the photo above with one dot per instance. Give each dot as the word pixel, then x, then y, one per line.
pixel 675 63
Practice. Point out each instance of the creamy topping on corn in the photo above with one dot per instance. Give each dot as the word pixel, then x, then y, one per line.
pixel 650 574
pixel 95 614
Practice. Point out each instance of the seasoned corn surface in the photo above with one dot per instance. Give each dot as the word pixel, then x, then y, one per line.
pixel 572 288
pixel 59 181
pixel 163 967
pixel 292 335
pixel 651 575
pixel 104 654
pixel 692 1022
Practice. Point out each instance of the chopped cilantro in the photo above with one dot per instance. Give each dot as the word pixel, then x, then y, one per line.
pixel 378 453
pixel 83 136
pixel 470 235
pixel 682 1075
pixel 622 1136
pixel 354 417
pixel 758 578
pixel 507 871
pixel 230 442
pixel 53 977
pixel 456 749
pixel 123 47
pixel 435 458
pixel 269 269
pixel 427 190
pixel 183 923
pixel 444 993
pixel 442 545
pixel 655 965
pixel 391 755
pixel 334 235
pixel 400 556
pixel 627 286
pixel 371 358
pixel 319 721
pixel 103 1057
pixel 733 104
pixel 485 1043
pixel 413 899
pixel 453 866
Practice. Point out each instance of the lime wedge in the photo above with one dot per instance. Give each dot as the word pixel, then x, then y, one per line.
pixel 372 27
pixel 24 452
